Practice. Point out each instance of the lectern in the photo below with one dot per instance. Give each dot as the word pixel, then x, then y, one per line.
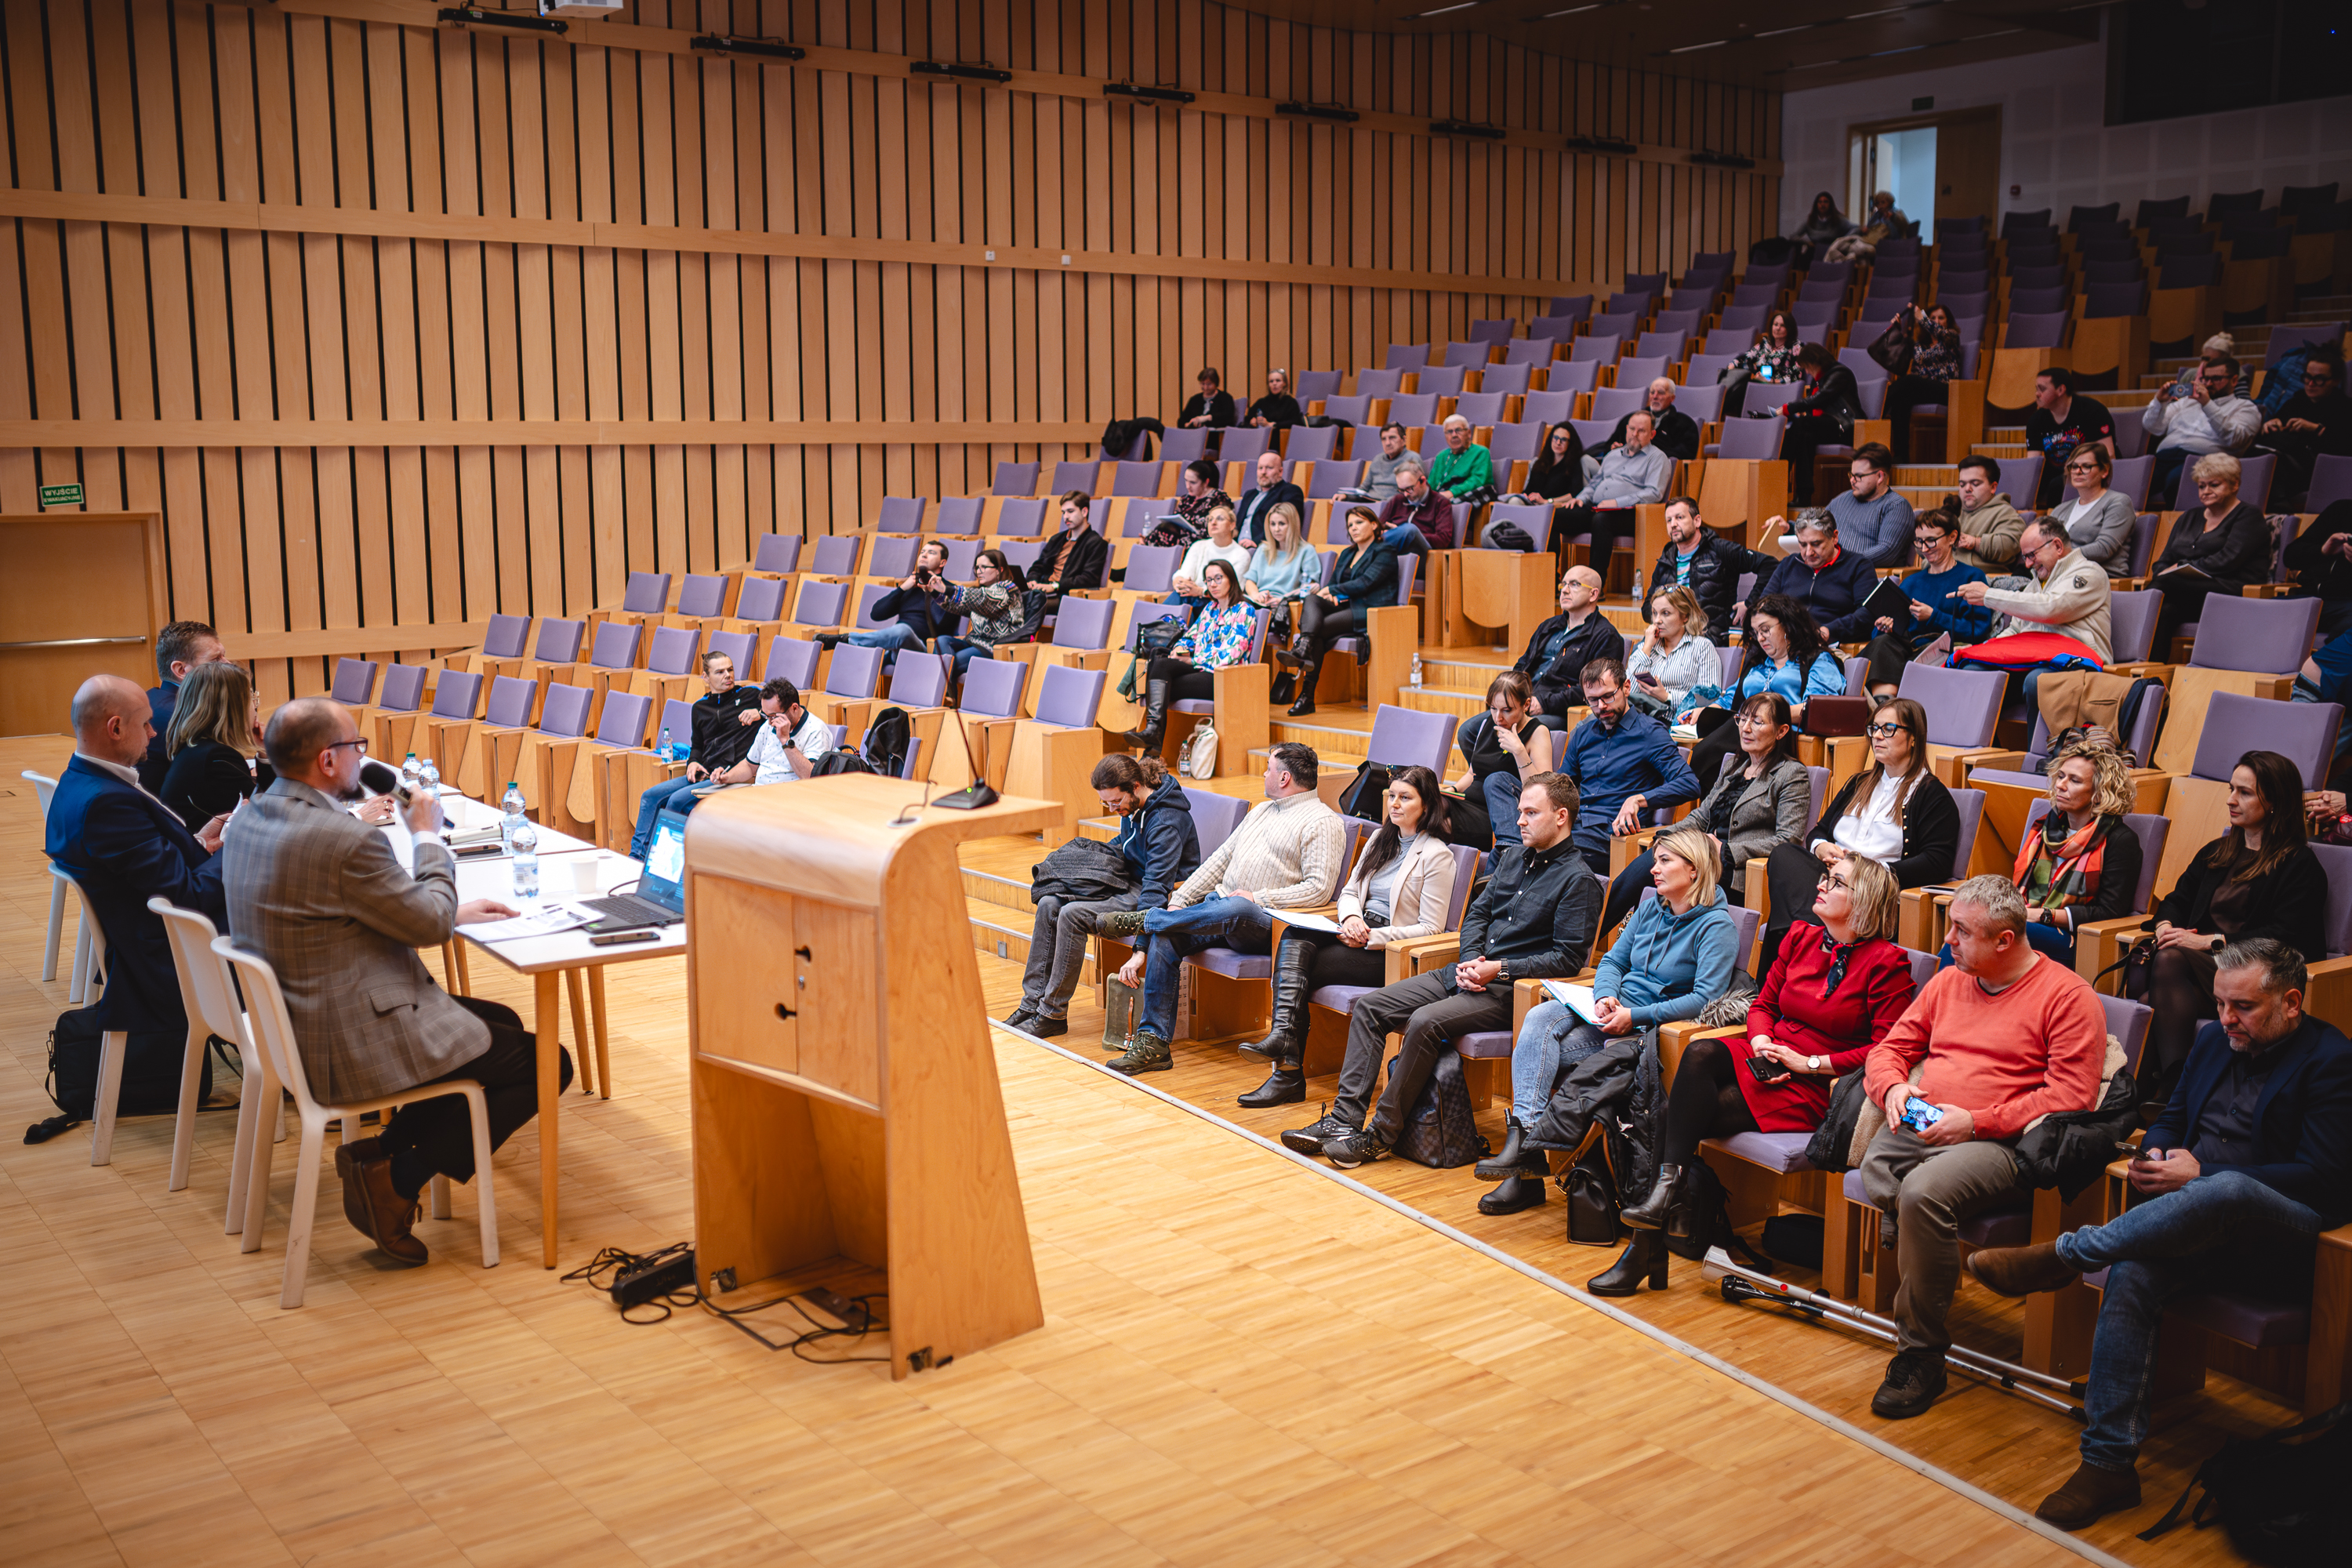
pixel 847 1119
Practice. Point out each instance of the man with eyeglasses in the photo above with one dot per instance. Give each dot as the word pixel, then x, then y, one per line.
pixel 2066 593
pixel 322 897
pixel 2212 417
pixel 2317 422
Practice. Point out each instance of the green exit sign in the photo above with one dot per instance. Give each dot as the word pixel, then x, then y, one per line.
pixel 60 495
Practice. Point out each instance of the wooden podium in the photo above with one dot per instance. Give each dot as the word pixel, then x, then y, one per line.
pixel 848 1129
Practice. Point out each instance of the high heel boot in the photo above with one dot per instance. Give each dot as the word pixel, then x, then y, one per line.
pixel 1308 674
pixel 1644 1258
pixel 1667 1192
pixel 1285 1040
pixel 1155 717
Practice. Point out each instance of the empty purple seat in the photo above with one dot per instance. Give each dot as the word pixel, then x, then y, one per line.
pixel 1310 444
pixel 674 650
pixel 1520 443
pixel 900 514
pixel 1597 349
pixel 1616 324
pixel 892 555
pixel 565 711
pixel 1529 351
pixel 763 599
pixel 1242 443
pixel 920 679
pixel 647 594
pixel 1576 375
pixel 1067 696
pixel 1466 356
pixel 1384 382
pixel 1440 381
pixel 1314 385
pixel 1547 407
pixel 1078 476
pixel 1183 446
pixel 2047 330
pixel 1414 408
pixel 1479 407
pixel 1014 479
pixel 511 700
pixel 1494 332
pixel 355 681
pixel 1568 307
pixel 1506 378
pixel 1405 356
pixel 458 692
pixel 1327 479
pixel 1753 439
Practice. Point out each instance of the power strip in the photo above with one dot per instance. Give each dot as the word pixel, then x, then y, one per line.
pixel 653 1281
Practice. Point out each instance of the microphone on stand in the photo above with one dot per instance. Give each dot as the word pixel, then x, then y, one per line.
pixel 969 798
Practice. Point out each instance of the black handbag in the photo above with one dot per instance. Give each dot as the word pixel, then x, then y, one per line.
pixel 1592 1200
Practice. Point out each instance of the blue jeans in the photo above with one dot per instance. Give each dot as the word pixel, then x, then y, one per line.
pixel 1551 1041
pixel 1171 935
pixel 1502 807
pixel 2225 1231
pixel 2047 939
pixel 893 640
pixel 1407 540
pixel 964 650
pixel 670 795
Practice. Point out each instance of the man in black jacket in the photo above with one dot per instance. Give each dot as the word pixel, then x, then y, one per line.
pixel 2251 1160
pixel 1270 491
pixel 1535 919
pixel 1830 582
pixel 1705 562
pixel 178 648
pixel 1822 416
pixel 1556 656
pixel 922 606
pixel 1677 434
pixel 1074 558
pixel 726 723
pixel 1211 407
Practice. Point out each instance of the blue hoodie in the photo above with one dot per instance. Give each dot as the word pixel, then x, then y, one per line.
pixel 1667 966
pixel 1161 842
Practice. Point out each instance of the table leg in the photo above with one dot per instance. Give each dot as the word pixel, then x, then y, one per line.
pixel 579 1031
pixel 547 1020
pixel 597 1012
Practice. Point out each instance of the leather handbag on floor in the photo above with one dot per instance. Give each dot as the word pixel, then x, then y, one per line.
pixel 1439 1130
pixel 1592 1200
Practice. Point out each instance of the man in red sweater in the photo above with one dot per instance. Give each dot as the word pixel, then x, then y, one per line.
pixel 2002 1039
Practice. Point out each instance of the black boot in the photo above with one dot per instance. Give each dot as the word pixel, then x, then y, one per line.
pixel 1308 673
pixel 1516 1192
pixel 1155 717
pixel 1665 1193
pixel 1286 1085
pixel 1513 1159
pixel 1296 653
pixel 1644 1259
pixel 1285 1040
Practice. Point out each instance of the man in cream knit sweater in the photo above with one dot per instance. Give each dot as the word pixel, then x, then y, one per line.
pixel 1285 855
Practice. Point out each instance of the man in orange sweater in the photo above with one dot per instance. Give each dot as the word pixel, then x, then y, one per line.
pixel 2007 1036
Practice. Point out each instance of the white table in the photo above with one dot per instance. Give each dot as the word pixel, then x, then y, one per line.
pixel 569 868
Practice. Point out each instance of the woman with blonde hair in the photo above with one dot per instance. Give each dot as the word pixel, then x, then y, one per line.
pixel 215 744
pixel 1280 573
pixel 2223 544
pixel 1673 655
pixel 2083 861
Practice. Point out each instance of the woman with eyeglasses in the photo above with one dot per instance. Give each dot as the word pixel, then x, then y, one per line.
pixel 2083 861
pixel 2097 521
pixel 1762 799
pixel 1402 888
pixel 1557 471
pixel 1936 608
pixel 2224 545
pixel 1837 987
pixel 1783 653
pixel 1893 811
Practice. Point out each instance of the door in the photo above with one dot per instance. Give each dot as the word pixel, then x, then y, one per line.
pixel 1937 165
pixel 82 596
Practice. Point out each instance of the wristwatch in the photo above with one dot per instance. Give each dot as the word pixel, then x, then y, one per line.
pixel 1817 1064
pixel 1502 971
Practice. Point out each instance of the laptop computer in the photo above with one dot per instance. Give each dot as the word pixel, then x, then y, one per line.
pixel 660 898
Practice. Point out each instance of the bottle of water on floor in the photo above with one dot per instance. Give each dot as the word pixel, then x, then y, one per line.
pixel 511 804
pixel 1414 680
pixel 523 845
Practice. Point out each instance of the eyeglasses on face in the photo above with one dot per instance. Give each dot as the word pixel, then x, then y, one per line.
pixel 1839 883
pixel 1885 728
pixel 360 745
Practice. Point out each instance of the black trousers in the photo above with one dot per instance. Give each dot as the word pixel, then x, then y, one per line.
pixel 1907 393
pixel 1793 872
pixel 1607 524
pixel 2184 603
pixel 1431 1018
pixel 1888 653
pixel 435 1138
pixel 1808 430
pixel 2180 992
pixel 1704 1103
pixel 1186 683
pixel 1322 625
pixel 1334 962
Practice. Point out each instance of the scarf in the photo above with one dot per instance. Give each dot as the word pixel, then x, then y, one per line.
pixel 2056 867
pixel 1839 952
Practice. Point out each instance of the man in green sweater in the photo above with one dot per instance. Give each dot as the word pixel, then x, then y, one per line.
pixel 1460 469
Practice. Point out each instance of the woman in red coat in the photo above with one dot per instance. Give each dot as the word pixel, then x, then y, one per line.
pixel 1838 985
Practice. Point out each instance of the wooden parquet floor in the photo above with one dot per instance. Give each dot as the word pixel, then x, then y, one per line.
pixel 1243 1361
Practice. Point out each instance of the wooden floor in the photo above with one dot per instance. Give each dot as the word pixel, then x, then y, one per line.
pixel 1243 1361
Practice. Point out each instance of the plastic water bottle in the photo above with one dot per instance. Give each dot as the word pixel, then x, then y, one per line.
pixel 664 751
pixel 1637 588
pixel 511 804
pixel 408 772
pixel 1414 680
pixel 428 774
pixel 524 845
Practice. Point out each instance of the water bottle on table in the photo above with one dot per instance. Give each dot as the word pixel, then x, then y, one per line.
pixel 511 804
pixel 523 845
pixel 409 773
pixel 428 774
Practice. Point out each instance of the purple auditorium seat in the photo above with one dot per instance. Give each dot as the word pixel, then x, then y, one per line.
pixel 1494 332
pixel 558 641
pixel 1592 433
pixel 1386 382
pixel 1405 356
pixel 507 637
pixel 1640 370
pixel 2046 330
pixel 1814 322
pixel 1084 623
pixel 777 552
pixel 1754 439
pixel 565 712
pixel 702 596
pixel 404 688
pixel 1354 410
pixel 1762 296
pixel 822 605
pixel 2331 481
pixel 1183 446
pixel 2036 302
pixel 2303 732
pixel 1440 381
pixel 1535 520
pixel 1021 552
pixel 1598 349
pixel 1025 518
pixel 1707 369
pixel 1214 817
pixel 1617 324
pixel 1742 318
pixel 1311 444
pixel 1068 697
pixel 1404 736
pixel 1568 307
pixel 615 646
pixel 1360 648
pixel 920 679
pixel 1466 356
pixel 737 646
pixel 674 650
pixel 1703 402
pixel 1611 403
pixel 793 659
pixel 1414 408
pixel 763 599
pixel 2132 625
pixel 511 697
pixel 1078 476
pixel 1150 610
pixel 623 722
pixel 956 515
pixel 2178 270
pixel 1314 385
pixel 2269 637
pixel 1575 376
pixel 1544 334
pixel 868 596
pixel 355 681
pixel 2152 212
pixel 1547 407
pixel 892 555
pixel 1014 479
pixel 1328 478
pixel 834 555
pixel 855 672
pixel 1479 407
pixel 1507 378
pixel 1963 705
pixel 900 514
pixel 1134 479
pixel 2021 277
pixel 1517 443
pixel 646 595
pixel 993 688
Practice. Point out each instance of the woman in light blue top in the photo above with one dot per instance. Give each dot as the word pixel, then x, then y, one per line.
pixel 1784 654
pixel 1675 955
pixel 1282 569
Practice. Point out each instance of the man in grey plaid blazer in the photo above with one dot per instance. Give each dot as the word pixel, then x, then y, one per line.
pixel 321 896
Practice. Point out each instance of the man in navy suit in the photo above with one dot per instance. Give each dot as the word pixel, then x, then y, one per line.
pixel 2250 1162
pixel 1270 491
pixel 125 847
pixel 178 648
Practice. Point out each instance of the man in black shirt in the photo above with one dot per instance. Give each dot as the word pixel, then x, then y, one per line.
pixel 1535 919
pixel 1074 558
pixel 1270 491
pixel 2315 422
pixel 1211 407
pixel 726 723
pixel 1556 656
pixel 2251 1160
pixel 1705 562
pixel 2058 423
pixel 1677 434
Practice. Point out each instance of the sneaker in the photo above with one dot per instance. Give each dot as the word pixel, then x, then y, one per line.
pixel 1044 1025
pixel 1146 1052
pixel 1914 1380
pixel 1350 1149
pixel 1121 923
pixel 1309 1139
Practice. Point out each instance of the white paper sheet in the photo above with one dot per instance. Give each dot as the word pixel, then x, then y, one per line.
pixel 1305 921
pixel 546 921
pixel 1578 999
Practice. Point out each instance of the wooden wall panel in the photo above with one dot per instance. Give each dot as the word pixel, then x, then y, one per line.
pixel 397 324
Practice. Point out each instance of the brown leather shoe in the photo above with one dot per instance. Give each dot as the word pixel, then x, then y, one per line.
pixel 2021 1270
pixel 349 1158
pixel 389 1213
pixel 2091 1492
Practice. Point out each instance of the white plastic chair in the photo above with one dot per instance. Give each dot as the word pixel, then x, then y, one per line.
pixel 43 788
pixel 210 997
pixel 265 1011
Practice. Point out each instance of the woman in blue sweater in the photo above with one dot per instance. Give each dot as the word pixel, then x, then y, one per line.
pixel 1784 653
pixel 1936 606
pixel 1676 954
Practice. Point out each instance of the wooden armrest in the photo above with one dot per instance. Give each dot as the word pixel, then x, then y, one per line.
pixel 1675 1038
pixel 1998 762
pixel 1426 952
pixel 2339 1238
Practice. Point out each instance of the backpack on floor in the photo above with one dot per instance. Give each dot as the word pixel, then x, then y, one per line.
pixel 150 1068
pixel 1439 1130
pixel 2284 1497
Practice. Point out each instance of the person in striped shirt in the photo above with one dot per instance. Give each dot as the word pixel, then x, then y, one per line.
pixel 1288 854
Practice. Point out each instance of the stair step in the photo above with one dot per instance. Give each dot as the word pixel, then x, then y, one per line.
pixel 995 930
pixel 1000 893
pixel 1432 699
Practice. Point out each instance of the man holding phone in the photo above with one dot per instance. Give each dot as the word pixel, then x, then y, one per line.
pixel 2251 1160
pixel 2003 1037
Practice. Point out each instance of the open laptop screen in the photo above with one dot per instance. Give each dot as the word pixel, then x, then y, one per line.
pixel 665 873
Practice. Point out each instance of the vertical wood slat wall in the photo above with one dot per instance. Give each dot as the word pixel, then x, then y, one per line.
pixel 367 110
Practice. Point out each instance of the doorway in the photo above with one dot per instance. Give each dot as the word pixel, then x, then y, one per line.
pixel 1901 163
pixel 1943 165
